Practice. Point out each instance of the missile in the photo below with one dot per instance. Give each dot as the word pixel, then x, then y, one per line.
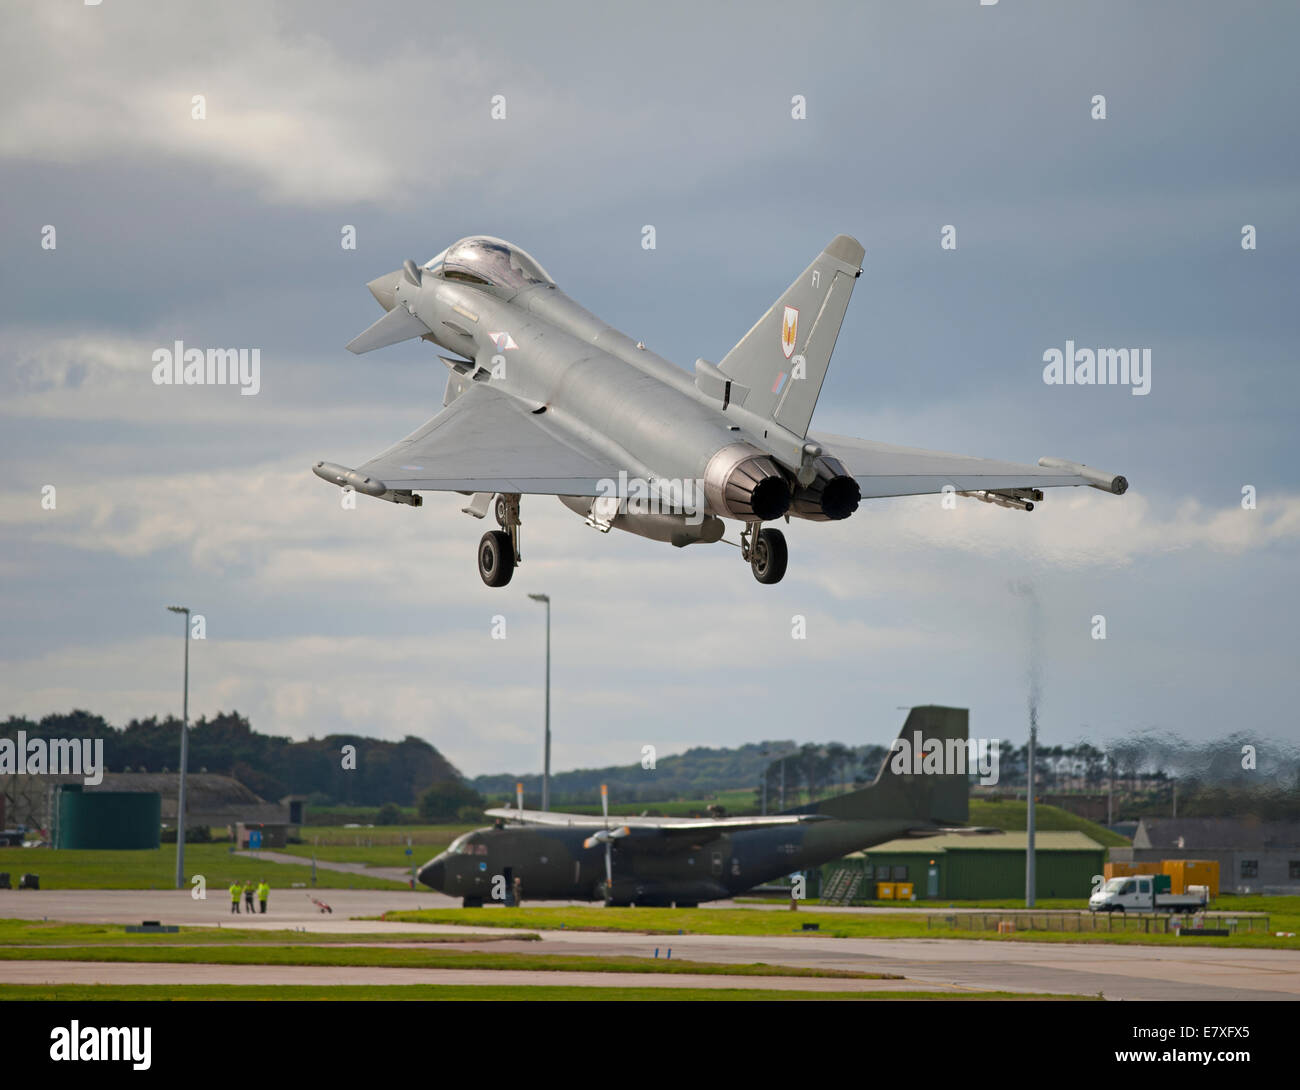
pixel 1107 482
pixel 350 478
pixel 1000 500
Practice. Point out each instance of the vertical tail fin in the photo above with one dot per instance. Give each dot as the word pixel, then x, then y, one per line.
pixel 783 358
pixel 939 798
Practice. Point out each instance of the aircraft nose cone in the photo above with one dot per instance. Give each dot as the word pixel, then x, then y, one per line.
pixel 434 874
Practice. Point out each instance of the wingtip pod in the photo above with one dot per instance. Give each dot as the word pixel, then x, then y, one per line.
pixel 350 478
pixel 1113 483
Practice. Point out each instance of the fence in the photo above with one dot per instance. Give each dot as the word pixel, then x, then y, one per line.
pixel 1146 922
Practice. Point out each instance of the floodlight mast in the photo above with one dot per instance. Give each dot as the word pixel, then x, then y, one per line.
pixel 1030 861
pixel 546 759
pixel 185 730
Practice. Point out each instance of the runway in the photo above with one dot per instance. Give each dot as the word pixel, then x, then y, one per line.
pixel 1113 971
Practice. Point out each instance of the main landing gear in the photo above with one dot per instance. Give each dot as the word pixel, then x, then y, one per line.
pixel 498 550
pixel 766 552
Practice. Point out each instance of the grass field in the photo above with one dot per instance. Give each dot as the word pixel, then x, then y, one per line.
pixel 382 846
pixel 461 993
pixel 156 869
pixel 1044 903
pixel 912 924
pixel 1011 816
pixel 389 958
pixel 1284 911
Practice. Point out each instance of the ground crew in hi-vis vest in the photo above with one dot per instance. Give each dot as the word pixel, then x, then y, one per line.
pixel 248 897
pixel 263 892
pixel 235 891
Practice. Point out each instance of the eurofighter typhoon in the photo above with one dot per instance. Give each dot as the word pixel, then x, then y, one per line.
pixel 543 398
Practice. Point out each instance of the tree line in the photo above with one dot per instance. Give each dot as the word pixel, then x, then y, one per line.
pixel 270 765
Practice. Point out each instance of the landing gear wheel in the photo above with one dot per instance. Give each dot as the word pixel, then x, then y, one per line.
pixel 768 556
pixel 472 902
pixel 496 558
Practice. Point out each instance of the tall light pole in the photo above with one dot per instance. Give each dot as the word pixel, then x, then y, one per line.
pixel 546 761
pixel 185 750
pixel 1110 790
pixel 1030 861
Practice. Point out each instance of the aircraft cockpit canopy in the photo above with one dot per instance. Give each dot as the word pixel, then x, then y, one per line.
pixel 489 263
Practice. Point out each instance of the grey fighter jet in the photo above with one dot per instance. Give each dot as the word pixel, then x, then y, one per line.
pixel 543 398
pixel 683 861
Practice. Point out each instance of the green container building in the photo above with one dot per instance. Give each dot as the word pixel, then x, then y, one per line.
pixel 976 868
pixel 107 820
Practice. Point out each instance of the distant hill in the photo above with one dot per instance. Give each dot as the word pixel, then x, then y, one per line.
pixel 270 765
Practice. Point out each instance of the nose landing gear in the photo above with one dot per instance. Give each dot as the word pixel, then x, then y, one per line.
pixel 766 552
pixel 498 550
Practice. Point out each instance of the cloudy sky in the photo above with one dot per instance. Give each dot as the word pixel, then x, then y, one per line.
pixel 225 232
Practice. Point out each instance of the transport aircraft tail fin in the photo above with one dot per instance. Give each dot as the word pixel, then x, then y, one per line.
pixel 783 359
pixel 938 798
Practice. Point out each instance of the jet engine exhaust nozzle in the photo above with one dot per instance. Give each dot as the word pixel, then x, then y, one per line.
pixel 741 482
pixel 833 494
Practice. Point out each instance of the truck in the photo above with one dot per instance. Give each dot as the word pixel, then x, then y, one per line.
pixel 1146 893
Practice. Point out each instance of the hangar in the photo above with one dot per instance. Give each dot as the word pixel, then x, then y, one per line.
pixel 967 868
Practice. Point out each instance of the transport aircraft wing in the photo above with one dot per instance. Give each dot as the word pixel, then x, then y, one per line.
pixel 960 830
pixel 663 826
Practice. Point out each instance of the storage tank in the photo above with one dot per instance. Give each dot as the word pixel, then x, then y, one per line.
pixel 107 820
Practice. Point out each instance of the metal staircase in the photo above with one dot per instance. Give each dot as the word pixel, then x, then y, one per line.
pixel 842 886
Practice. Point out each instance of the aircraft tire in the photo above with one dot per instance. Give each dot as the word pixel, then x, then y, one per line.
pixel 472 902
pixel 496 558
pixel 769 556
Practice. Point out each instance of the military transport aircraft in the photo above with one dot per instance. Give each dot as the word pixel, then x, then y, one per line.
pixel 683 861
pixel 543 398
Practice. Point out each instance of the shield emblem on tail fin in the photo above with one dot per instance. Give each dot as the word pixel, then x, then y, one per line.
pixel 789 330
